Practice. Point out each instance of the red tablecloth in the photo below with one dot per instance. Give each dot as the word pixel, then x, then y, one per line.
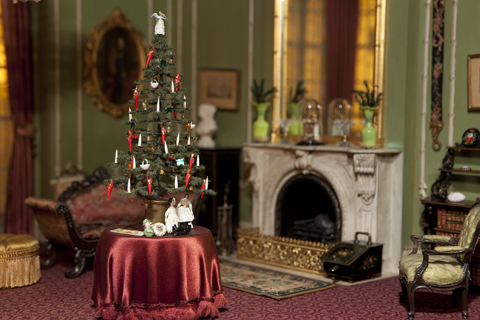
pixel 159 277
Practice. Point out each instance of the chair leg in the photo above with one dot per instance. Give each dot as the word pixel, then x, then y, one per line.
pixel 51 255
pixel 80 260
pixel 411 303
pixel 403 297
pixel 465 303
pixel 455 297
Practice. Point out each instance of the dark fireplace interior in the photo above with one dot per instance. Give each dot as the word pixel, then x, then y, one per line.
pixel 307 208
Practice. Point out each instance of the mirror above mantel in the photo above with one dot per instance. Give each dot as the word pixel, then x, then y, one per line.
pixel 333 46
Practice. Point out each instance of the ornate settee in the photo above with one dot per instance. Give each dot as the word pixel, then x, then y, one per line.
pixel 79 216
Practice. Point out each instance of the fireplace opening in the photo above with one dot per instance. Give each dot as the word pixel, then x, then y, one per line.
pixel 307 208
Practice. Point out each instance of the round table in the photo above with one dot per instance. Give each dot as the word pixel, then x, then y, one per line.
pixel 169 277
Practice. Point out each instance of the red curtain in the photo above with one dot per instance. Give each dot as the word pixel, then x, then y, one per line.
pixel 342 25
pixel 19 219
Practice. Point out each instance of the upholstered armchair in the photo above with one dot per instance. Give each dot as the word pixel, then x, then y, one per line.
pixel 443 268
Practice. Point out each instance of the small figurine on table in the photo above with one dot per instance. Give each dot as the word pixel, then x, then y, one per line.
pixel 171 216
pixel 148 228
pixel 185 211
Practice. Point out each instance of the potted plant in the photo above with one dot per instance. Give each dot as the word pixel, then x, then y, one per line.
pixel 261 103
pixel 293 100
pixel 368 101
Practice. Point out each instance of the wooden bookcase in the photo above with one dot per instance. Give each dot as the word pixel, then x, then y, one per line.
pixel 443 217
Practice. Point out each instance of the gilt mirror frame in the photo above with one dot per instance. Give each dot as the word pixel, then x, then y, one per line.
pixel 92 83
pixel 279 63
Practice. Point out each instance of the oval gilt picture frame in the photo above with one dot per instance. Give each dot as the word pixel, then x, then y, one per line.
pixel 114 58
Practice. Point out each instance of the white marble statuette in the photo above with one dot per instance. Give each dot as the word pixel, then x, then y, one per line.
pixel 207 127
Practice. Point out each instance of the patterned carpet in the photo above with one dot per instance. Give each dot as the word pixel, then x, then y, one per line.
pixel 56 297
pixel 268 283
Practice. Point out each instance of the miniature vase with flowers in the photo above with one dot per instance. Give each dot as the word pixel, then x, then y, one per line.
pixel 368 104
pixel 261 103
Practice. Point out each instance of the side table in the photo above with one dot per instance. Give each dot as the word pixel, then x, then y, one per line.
pixel 159 277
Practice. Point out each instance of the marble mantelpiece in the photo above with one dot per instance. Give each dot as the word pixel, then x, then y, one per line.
pixel 367 183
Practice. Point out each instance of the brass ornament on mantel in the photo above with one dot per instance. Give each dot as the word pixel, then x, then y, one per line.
pixel 281 251
pixel 108 86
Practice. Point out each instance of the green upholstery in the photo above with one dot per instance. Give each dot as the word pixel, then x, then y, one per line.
pixel 441 269
pixel 449 249
pixel 468 229
pixel 435 237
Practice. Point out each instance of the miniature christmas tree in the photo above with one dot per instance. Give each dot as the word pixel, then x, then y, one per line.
pixel 158 159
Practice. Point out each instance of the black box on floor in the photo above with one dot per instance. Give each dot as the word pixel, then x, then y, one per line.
pixel 354 260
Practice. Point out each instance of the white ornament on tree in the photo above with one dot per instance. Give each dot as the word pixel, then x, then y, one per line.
pixel 145 165
pixel 160 25
pixel 207 126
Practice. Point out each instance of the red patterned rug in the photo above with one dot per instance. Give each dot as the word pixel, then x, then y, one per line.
pixel 56 297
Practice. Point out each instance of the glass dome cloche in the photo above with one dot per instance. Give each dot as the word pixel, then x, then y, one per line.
pixel 339 115
pixel 311 112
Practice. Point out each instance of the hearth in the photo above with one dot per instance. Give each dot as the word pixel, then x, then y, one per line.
pixel 367 184
pixel 307 208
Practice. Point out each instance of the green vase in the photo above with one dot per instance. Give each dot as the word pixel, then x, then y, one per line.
pixel 260 126
pixel 297 125
pixel 369 133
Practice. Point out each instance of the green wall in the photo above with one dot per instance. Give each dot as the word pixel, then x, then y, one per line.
pixel 223 43
pixel 403 99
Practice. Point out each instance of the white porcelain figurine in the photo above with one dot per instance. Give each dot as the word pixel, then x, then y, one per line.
pixel 171 217
pixel 185 211
pixel 160 25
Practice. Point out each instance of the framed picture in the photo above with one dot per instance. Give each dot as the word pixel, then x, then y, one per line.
pixel 220 88
pixel 473 70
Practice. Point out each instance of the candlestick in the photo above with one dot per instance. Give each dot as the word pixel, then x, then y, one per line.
pixel 176 182
pixel 178 138
pixel 206 184
pixel 128 186
pixel 116 155
pixel 198 160
pixel 140 140
pixel 129 115
pixel 173 87
pixel 184 102
pixel 134 164
pixel 188 140
pixel 166 149
pixel 158 104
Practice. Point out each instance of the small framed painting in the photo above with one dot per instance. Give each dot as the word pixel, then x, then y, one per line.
pixel 220 88
pixel 473 71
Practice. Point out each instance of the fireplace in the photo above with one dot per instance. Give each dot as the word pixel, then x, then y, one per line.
pixel 361 190
pixel 307 208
